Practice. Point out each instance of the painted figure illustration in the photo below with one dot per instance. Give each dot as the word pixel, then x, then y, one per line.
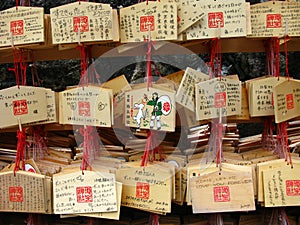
pixel 160 106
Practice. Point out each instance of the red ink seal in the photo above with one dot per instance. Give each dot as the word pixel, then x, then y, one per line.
pixel 81 22
pixel 292 187
pixel 274 21
pixel 214 19
pixel 142 190
pixel 20 107
pixel 289 101
pixel 84 109
pixel 17 27
pixel 16 194
pixel 221 194
pixel 220 99
pixel 84 194
pixel 146 23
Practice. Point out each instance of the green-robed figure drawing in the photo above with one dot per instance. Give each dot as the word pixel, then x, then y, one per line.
pixel 156 112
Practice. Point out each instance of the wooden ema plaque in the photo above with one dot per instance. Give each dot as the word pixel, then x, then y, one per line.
pixel 282 186
pixel 109 215
pixel 84 21
pixel 185 94
pixel 87 192
pixel 232 190
pixel 188 13
pixel 147 188
pixel 52 108
pixel 244 115
pixel 150 109
pixel 119 86
pixel 272 18
pixel 86 105
pixel 218 97
pixel 24 103
pixel 157 19
pixel 22 25
pixel 221 19
pixel 286 100
pixel 25 192
pixel 260 95
pixel 271 164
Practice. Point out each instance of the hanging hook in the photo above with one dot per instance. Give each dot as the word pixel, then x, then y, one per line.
pixel 11 39
pixel 20 125
pixel 219 30
pixel 286 27
pixel 149 33
pixel 78 36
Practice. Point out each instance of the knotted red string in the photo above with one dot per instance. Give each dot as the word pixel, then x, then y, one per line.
pixel 282 144
pixel 20 67
pixel 21 136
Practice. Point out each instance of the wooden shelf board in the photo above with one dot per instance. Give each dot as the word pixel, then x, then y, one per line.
pixel 116 49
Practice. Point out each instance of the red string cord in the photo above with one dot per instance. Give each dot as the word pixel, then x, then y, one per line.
pixel 286 39
pixel 90 145
pixel 215 70
pixel 276 46
pixel 282 145
pixel 215 63
pixel 20 67
pixel 83 64
pixel 87 132
pixel 149 69
pixel 272 47
pixel 21 136
pixel 154 219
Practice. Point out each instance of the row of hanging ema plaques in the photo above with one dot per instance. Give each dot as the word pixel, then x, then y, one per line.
pixel 163 20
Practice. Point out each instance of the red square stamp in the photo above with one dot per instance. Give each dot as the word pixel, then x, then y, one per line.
pixel 20 107
pixel 220 99
pixel 84 109
pixel 215 19
pixel 16 194
pixel 289 101
pixel 146 23
pixel 84 194
pixel 81 22
pixel 17 27
pixel 292 187
pixel 142 190
pixel 274 21
pixel 222 194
